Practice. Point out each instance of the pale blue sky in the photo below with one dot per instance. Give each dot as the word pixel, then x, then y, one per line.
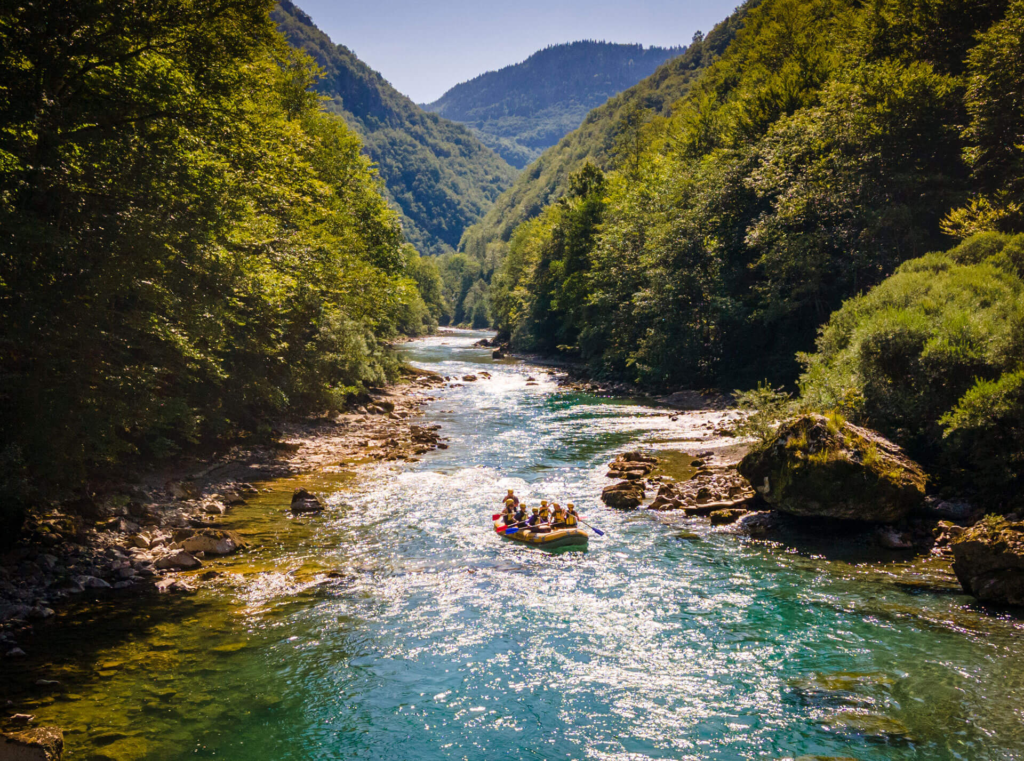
pixel 424 48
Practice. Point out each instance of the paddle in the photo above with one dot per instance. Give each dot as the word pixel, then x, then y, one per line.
pixel 597 531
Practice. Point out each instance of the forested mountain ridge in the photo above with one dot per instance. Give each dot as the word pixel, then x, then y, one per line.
pixel 522 109
pixel 594 140
pixel 807 185
pixel 441 177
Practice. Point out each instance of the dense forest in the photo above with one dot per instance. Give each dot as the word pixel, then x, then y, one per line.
pixel 524 108
pixel 191 244
pixel 831 143
pixel 441 177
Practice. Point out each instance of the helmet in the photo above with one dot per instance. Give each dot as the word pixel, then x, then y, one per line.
pixel 509 502
pixel 543 503
pixel 510 492
pixel 536 510
pixel 571 506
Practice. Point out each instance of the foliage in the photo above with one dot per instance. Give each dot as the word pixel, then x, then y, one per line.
pixel 191 244
pixel 522 109
pixel 765 408
pixel 436 172
pixel 933 357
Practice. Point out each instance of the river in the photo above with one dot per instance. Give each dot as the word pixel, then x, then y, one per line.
pixel 436 639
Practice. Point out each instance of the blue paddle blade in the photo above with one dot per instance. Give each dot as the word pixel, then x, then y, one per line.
pixel 510 531
pixel 597 531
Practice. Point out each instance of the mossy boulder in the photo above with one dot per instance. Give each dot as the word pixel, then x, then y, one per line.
pixel 988 560
pixel 825 467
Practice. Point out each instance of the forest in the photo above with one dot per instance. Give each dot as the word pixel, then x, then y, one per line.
pixel 792 196
pixel 192 245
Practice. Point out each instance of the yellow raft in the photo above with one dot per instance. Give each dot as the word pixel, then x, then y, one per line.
pixel 560 537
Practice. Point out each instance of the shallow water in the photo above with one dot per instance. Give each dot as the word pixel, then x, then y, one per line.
pixel 440 640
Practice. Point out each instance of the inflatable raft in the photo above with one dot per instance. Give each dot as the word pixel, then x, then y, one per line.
pixel 562 537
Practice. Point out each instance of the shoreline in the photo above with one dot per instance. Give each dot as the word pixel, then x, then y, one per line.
pixel 131 539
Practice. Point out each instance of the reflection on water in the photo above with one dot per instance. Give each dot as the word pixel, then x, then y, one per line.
pixel 398 626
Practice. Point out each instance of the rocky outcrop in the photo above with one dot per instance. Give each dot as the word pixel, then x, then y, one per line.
pixel 625 495
pixel 820 467
pixel 40 744
pixel 631 466
pixel 305 501
pixel 727 515
pixel 988 560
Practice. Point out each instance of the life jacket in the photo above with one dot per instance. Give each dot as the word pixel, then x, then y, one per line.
pixel 544 514
pixel 570 520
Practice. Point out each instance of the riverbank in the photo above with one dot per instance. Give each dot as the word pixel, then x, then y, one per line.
pixel 134 538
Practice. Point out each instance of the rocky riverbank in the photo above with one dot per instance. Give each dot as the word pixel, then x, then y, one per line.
pixel 135 537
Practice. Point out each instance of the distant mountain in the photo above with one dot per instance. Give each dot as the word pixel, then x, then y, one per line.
pixel 522 109
pixel 546 179
pixel 438 174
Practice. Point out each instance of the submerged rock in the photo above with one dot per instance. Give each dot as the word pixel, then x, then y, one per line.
pixel 304 501
pixel 824 468
pixel 726 516
pixel 40 744
pixel 988 560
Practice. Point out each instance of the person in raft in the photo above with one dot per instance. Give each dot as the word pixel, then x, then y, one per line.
pixel 572 518
pixel 534 519
pixel 558 517
pixel 520 514
pixel 508 513
pixel 513 497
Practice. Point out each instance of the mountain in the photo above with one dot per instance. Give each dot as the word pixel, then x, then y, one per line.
pixel 522 109
pixel 441 177
pixel 547 178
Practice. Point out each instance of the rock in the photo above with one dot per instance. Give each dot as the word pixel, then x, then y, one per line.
pixel 213 541
pixel 16 652
pixel 15 612
pixel 182 490
pixel 91 582
pixel 988 560
pixel 469 378
pixel 951 510
pixel 173 585
pixel 891 539
pixel 40 612
pixel 497 354
pixel 179 561
pixel 818 467
pixel 625 495
pixel 304 501
pixel 215 508
pixel 727 516
pixel 757 524
pixel 40 744
pixel 22 718
pixel 139 540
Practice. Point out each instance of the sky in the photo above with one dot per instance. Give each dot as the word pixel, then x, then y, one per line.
pixel 425 48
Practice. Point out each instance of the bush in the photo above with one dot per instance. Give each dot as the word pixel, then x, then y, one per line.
pixel 932 357
pixel 766 408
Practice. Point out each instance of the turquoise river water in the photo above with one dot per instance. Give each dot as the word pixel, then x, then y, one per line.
pixel 441 640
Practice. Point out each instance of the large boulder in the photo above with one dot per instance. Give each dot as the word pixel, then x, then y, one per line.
pixel 178 561
pixel 625 495
pixel 828 468
pixel 988 560
pixel 304 501
pixel 40 744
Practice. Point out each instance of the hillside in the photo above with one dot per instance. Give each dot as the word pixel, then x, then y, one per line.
pixel 437 173
pixel 546 179
pixel 522 109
